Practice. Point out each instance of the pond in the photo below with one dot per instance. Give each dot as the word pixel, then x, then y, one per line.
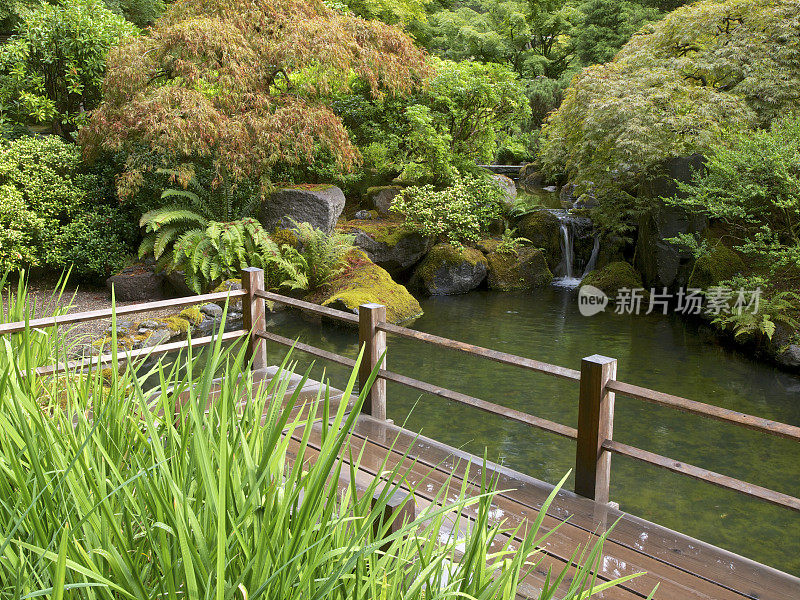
pixel 664 353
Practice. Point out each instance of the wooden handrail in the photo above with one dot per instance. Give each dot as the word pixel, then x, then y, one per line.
pixel 494 355
pixel 105 359
pixel 783 430
pixel 723 481
pixel 318 309
pixel 80 317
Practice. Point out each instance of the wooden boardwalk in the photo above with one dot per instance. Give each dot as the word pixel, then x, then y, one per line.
pixel 683 567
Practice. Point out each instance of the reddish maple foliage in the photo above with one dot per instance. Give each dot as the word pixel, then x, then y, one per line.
pixel 242 85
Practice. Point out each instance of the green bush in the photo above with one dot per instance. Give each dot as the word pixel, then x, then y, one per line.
pixel 40 190
pixel 751 184
pixel 95 244
pixel 458 213
pixel 52 70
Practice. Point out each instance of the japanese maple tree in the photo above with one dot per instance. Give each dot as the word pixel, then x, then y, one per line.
pixel 241 85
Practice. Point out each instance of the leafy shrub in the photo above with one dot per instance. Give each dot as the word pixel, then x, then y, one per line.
pixel 324 254
pixel 95 244
pixel 40 189
pixel 773 308
pixel 458 213
pixel 751 184
pixel 53 68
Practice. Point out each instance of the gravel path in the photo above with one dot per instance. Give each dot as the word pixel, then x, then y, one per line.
pixel 76 298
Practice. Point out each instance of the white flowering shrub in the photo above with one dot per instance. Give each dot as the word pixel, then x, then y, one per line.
pixel 459 213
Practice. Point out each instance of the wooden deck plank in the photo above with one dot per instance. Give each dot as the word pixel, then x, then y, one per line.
pixel 618 560
pixel 686 567
pixel 748 578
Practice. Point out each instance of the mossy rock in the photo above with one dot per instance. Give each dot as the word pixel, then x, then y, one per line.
pixel 448 270
pixel 287 237
pixel 380 198
pixel 719 264
pixel 389 243
pixel 543 229
pixel 488 245
pixel 613 277
pixel 192 314
pixel 523 269
pixel 364 282
pixel 227 286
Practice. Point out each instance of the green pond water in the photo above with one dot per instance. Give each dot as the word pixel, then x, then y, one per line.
pixel 664 353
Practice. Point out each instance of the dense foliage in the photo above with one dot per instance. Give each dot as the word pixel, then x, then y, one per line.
pixel 672 91
pixel 458 213
pixel 242 85
pixel 51 71
pixel 47 211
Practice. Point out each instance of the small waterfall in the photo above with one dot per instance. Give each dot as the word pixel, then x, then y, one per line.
pixel 593 258
pixel 574 229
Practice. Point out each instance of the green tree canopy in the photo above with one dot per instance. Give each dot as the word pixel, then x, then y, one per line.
pixel 53 68
pixel 673 90
pixel 242 85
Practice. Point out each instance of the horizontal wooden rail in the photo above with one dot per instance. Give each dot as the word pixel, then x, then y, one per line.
pixel 723 481
pixel 502 411
pixel 80 317
pixel 284 341
pixel 717 413
pixel 490 407
pixel 494 355
pixel 325 311
pixel 105 359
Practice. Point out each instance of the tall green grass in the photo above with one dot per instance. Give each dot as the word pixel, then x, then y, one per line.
pixel 120 492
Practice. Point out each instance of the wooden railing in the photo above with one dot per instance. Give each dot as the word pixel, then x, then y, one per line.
pixel 596 378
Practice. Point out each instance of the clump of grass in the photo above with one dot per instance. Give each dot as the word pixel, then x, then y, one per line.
pixel 120 492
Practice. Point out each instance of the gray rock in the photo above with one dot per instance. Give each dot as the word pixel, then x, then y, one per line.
pixel 212 310
pixel 448 271
pixel 395 250
pixel 363 215
pixel 381 198
pixel 319 206
pixel 136 284
pixel 158 337
pixel 151 324
pixel 790 357
pixel 509 189
pixel 566 196
pixel 175 285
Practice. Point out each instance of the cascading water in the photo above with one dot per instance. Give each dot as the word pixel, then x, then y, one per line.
pixel 572 230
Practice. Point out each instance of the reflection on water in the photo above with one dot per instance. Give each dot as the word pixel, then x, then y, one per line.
pixel 663 353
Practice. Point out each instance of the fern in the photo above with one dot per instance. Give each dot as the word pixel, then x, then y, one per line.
pixel 324 254
pixel 779 308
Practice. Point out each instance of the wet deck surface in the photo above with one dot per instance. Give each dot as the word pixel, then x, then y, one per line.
pixel 684 568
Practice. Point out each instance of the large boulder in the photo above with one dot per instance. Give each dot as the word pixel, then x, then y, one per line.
pixel 719 264
pixel 661 263
pixel 522 269
pixel 530 177
pixel 390 244
pixel 613 277
pixel 364 282
pixel 449 270
pixel 543 229
pixel 380 198
pixel 136 284
pixel 509 189
pixel 319 205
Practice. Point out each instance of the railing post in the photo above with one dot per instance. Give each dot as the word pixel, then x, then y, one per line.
pixel 595 425
pixel 253 313
pixel 374 344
